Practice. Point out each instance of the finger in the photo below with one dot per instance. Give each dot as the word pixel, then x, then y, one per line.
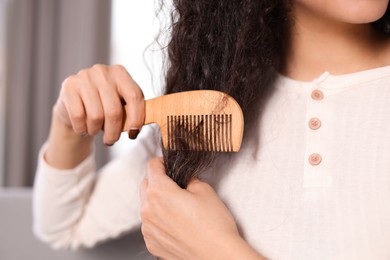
pixel 158 179
pixel 77 115
pixel 113 117
pixel 134 98
pixel 93 107
pixel 112 107
pixel 156 172
pixel 75 109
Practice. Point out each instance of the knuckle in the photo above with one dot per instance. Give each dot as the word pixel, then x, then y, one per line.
pixel 99 67
pixel 96 118
pixel 99 70
pixel 136 94
pixel 119 68
pixel 83 72
pixel 78 116
pixel 69 82
pixel 114 114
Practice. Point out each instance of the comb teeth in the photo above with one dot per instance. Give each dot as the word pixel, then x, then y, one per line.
pixel 211 133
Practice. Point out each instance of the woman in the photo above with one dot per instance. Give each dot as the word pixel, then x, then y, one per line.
pixel 312 179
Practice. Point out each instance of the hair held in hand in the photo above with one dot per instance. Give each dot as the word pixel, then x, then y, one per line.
pixel 231 46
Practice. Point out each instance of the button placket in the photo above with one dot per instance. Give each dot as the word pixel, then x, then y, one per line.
pixel 315 174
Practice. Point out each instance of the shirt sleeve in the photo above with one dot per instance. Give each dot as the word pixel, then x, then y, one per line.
pixel 80 208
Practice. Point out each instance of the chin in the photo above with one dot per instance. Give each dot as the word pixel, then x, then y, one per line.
pixel 367 11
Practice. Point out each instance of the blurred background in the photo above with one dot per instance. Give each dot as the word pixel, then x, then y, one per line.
pixel 41 43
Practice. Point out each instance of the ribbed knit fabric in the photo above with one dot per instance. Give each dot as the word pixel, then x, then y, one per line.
pixel 311 182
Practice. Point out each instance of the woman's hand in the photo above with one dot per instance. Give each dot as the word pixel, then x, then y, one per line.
pixel 187 224
pixel 88 102
pixel 92 100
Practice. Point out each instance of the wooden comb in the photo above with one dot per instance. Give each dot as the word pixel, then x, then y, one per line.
pixel 215 116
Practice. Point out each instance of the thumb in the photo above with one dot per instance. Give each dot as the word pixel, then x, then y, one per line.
pixel 156 174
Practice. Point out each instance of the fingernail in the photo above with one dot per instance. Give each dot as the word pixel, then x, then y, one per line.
pixel 108 144
pixel 133 133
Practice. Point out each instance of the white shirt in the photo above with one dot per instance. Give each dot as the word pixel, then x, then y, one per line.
pixel 312 180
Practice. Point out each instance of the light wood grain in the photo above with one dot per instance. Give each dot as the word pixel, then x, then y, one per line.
pixel 194 103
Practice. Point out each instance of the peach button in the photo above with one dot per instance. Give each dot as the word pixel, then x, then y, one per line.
pixel 314 123
pixel 315 159
pixel 317 94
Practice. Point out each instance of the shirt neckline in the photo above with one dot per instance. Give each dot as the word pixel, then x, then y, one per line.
pixel 329 81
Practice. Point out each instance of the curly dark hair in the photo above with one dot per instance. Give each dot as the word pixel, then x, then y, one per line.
pixel 234 46
pixel 225 45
